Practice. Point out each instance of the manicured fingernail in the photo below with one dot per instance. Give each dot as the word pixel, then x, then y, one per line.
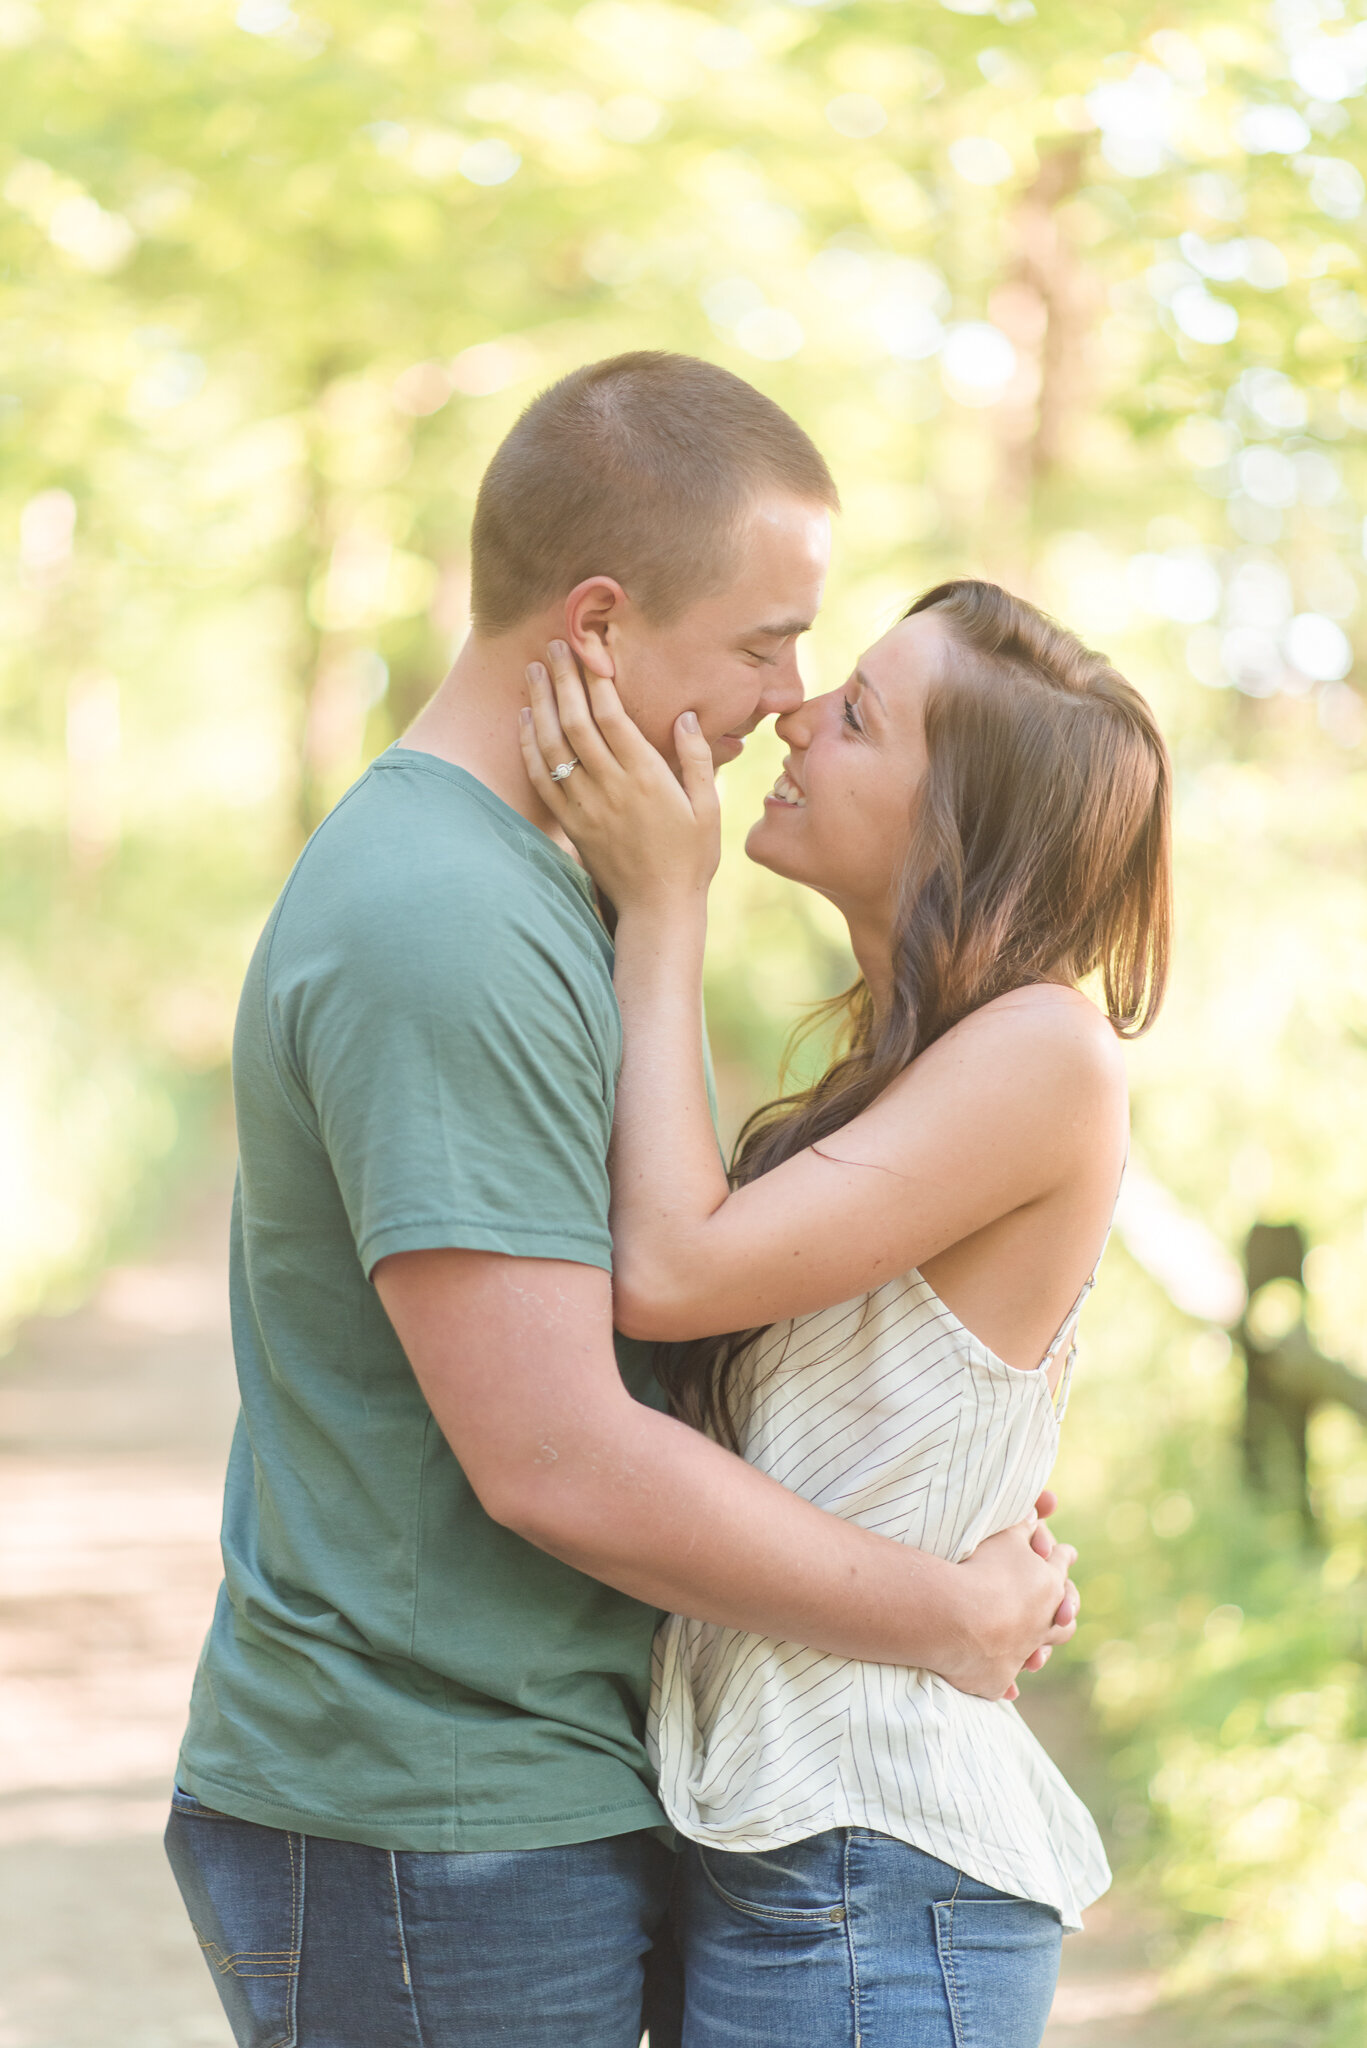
pixel 535 672
pixel 524 716
pixel 559 650
pixel 689 721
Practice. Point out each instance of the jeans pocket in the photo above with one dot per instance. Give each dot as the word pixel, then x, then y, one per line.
pixel 243 1887
pixel 999 1958
pixel 186 1802
pixel 799 1884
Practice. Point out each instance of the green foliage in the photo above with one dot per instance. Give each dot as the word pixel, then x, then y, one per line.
pixel 1226 1661
pixel 1071 296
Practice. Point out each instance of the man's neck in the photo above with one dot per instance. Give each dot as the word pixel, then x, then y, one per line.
pixel 472 721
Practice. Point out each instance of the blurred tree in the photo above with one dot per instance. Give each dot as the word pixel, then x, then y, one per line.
pixel 1287 1375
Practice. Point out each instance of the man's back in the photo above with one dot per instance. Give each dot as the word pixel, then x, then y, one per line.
pixel 425 1057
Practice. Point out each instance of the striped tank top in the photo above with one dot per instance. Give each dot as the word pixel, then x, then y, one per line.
pixel 888 1411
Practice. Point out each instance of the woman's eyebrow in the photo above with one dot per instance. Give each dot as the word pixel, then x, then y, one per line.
pixel 872 689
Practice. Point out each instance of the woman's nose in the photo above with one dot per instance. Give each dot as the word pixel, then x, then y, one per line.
pixel 795 727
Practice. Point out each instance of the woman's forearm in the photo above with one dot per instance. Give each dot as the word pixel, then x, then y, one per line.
pixel 667 1172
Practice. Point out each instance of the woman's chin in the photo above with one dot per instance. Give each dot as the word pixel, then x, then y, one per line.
pixel 764 845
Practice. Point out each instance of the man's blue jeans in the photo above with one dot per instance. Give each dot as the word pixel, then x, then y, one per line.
pixel 851 1936
pixel 318 1944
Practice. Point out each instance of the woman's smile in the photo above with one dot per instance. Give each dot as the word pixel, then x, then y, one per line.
pixel 785 794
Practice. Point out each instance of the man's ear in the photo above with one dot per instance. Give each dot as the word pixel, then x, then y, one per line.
pixel 593 619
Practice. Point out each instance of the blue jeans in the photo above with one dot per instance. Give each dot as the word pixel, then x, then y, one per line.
pixel 318 1944
pixel 853 1938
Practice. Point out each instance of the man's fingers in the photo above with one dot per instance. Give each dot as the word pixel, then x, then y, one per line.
pixel 1060 1632
pixel 1061 1556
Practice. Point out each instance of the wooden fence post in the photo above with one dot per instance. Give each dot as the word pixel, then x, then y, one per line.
pixel 1288 1377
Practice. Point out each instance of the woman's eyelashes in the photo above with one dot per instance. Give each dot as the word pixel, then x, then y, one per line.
pixel 850 716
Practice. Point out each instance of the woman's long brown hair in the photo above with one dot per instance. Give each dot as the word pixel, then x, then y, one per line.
pixel 1041 847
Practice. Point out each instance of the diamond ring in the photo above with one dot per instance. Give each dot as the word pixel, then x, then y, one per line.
pixel 565 768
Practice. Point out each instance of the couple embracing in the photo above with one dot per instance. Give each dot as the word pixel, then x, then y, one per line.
pixel 628 1566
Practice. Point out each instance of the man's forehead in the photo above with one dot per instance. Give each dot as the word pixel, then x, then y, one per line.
pixel 785 537
pixel 776 591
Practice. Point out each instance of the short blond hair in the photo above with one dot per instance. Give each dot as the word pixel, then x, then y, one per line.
pixel 638 468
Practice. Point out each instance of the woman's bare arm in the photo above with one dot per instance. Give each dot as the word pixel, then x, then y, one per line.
pixel 992 1119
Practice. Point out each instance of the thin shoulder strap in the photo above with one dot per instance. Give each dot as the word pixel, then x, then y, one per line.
pixel 1066 1376
pixel 1070 1321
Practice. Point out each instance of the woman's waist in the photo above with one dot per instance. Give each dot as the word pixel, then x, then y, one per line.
pixel 777 1731
pixel 711 1680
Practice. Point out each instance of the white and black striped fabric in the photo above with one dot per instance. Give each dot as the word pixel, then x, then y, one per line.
pixel 888 1411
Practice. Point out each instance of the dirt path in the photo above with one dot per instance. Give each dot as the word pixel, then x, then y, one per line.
pixel 114 1425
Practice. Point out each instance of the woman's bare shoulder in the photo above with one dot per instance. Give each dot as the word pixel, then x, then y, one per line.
pixel 1048 1043
pixel 1035 1020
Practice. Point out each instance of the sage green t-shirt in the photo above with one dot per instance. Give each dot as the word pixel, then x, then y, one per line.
pixel 426 1053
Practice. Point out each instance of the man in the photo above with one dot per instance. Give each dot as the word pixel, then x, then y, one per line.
pixel 414 1806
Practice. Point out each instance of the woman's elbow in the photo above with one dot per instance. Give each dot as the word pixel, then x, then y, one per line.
pixel 645 1302
pixel 637 1316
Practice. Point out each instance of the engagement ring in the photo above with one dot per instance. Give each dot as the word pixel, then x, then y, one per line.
pixel 565 768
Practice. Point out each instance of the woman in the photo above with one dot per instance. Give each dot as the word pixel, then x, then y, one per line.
pixel 878 1308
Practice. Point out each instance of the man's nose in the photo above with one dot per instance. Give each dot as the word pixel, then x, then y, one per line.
pixel 783 691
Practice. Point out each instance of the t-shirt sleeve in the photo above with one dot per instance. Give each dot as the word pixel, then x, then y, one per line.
pixel 460 1070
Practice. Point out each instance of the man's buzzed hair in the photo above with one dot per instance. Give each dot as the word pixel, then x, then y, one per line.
pixel 639 468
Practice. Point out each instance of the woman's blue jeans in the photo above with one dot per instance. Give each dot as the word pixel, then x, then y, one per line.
pixel 318 1944
pixel 853 1940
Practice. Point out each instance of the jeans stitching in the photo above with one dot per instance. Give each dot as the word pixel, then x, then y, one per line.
pixel 226 1965
pixel 403 1946
pixel 850 1946
pixel 223 1962
pixel 805 1916
pixel 947 1969
pixel 291 2033
pixel 198 1812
